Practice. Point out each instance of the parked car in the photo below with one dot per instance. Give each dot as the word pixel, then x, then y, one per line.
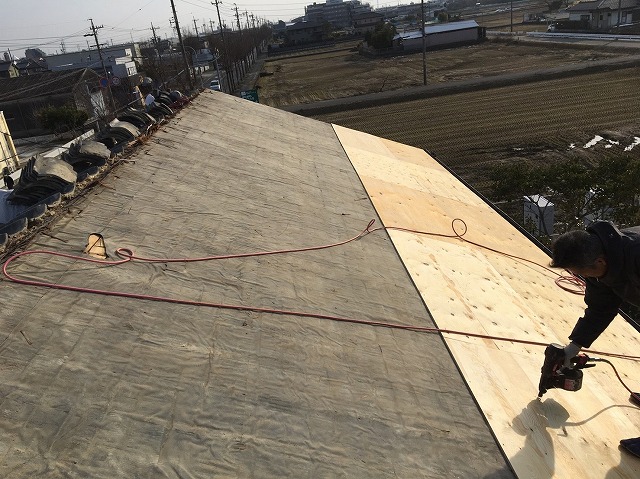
pixel 215 85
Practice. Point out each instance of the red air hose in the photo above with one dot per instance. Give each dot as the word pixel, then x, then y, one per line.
pixel 127 255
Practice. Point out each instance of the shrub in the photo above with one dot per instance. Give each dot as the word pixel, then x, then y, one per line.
pixel 61 118
pixel 381 37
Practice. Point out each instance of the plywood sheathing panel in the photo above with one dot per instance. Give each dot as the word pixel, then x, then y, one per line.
pixel 473 289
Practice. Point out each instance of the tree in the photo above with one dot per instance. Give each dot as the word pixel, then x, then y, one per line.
pixel 608 189
pixel 381 37
pixel 62 118
pixel 554 5
pixel 616 185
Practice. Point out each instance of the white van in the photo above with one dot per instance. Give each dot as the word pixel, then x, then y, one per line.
pixel 215 85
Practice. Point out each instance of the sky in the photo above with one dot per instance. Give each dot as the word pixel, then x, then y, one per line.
pixel 47 24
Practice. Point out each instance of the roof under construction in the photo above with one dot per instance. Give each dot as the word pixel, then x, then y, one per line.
pixel 257 324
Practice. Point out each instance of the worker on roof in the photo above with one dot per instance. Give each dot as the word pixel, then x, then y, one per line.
pixel 609 261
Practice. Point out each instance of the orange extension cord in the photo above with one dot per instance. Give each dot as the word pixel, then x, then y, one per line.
pixel 576 286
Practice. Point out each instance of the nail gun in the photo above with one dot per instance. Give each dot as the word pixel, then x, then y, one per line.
pixel 555 375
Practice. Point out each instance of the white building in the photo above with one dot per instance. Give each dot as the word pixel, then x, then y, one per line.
pixel 440 35
pixel 539 214
pixel 118 60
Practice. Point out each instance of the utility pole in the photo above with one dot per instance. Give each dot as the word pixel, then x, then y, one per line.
pixel 184 53
pixel 211 25
pixel 156 43
pixel 424 48
pixel 619 16
pixel 196 27
pixel 94 34
pixel 239 30
pixel 238 18
pixel 217 3
pixel 511 29
pixel 155 38
pixel 246 14
pixel 224 45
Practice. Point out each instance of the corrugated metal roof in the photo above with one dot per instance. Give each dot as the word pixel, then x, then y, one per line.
pixel 439 28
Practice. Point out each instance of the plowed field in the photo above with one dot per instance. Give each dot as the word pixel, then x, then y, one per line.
pixel 541 121
pixel 345 73
pixel 475 131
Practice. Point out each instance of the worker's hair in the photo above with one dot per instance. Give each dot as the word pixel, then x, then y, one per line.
pixel 577 249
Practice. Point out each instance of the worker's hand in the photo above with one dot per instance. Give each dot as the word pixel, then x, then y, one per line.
pixel 571 350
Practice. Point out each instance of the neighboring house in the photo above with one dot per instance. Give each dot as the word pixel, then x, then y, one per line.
pixel 279 27
pixel 304 32
pixel 21 98
pixel 604 14
pixel 201 57
pixel 366 22
pixel 164 45
pixel 35 54
pixel 28 66
pixel 118 60
pixel 8 69
pixel 440 35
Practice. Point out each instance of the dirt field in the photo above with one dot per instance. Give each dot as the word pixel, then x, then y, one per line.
pixel 471 132
pixel 345 73
pixel 474 132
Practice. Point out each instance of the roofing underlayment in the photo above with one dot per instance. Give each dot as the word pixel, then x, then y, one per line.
pixel 104 386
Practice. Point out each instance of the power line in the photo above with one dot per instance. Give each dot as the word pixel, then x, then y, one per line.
pixel 94 32
pixel 17 92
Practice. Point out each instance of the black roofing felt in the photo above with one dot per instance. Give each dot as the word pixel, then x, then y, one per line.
pixel 164 389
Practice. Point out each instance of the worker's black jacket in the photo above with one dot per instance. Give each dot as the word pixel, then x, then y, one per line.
pixel 604 295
